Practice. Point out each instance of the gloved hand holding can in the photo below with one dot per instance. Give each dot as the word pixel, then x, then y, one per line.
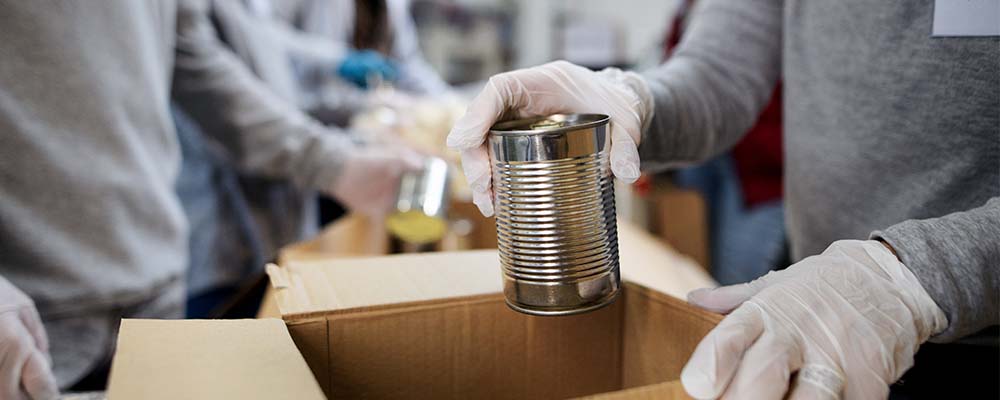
pixel 553 88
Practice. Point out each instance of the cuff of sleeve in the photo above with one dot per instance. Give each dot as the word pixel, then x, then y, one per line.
pixel 928 263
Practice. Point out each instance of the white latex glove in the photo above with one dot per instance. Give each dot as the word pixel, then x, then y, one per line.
pixel 848 320
pixel 25 372
pixel 369 179
pixel 557 87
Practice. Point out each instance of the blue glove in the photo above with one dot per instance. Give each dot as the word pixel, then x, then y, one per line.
pixel 358 65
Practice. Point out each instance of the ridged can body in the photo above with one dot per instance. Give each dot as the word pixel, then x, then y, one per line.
pixel 555 213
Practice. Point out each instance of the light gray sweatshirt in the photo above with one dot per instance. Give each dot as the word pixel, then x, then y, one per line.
pixel 89 220
pixel 888 132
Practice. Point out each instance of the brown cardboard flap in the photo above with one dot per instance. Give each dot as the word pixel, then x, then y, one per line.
pixel 434 325
pixel 660 391
pixel 209 359
pixel 303 287
pixel 647 261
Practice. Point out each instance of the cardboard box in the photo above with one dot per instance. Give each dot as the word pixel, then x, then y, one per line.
pixel 430 325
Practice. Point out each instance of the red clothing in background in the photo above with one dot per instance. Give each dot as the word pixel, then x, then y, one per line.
pixel 759 158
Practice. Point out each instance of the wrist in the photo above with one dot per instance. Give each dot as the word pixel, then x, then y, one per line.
pixel 636 86
pixel 889 247
pixel 929 319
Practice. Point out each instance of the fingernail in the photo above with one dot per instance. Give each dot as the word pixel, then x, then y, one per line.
pixel 485 207
pixel 697 383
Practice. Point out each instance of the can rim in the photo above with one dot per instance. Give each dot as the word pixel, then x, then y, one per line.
pixel 572 122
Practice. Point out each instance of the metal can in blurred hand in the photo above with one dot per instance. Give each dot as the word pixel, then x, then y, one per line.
pixel 555 213
pixel 420 213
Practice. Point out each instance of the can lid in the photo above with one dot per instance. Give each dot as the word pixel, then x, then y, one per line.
pixel 554 123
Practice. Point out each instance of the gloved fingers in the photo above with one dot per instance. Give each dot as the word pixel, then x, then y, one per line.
pixel 33 323
pixel 624 155
pixel 765 369
pixel 485 109
pixel 860 382
pixel 551 88
pixel 37 379
pixel 721 299
pixel 484 201
pixel 715 360
pixel 726 298
pixel 15 347
pixel 476 165
pixel 819 381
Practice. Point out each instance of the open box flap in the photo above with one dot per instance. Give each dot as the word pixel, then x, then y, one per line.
pixel 656 391
pixel 209 359
pixel 332 284
pixel 647 261
pixel 345 283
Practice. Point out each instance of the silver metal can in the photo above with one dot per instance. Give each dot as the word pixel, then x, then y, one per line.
pixel 555 213
pixel 420 213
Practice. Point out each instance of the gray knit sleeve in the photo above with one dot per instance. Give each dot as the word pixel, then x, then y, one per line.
pixel 263 133
pixel 714 87
pixel 957 260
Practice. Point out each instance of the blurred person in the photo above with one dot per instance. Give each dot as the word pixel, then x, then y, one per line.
pixel 741 188
pixel 238 221
pixel 892 188
pixel 341 49
pixel 363 38
pixel 93 229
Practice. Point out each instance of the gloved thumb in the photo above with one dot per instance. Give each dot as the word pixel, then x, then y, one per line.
pixel 37 379
pixel 470 130
pixel 726 298
pixel 476 164
pixel 722 299
pixel 624 155
pixel 714 362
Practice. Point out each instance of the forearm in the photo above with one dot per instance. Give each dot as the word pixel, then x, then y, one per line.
pixel 956 258
pixel 307 49
pixel 716 84
pixel 264 134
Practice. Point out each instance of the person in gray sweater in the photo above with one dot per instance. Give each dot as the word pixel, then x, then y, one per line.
pixel 892 154
pixel 92 230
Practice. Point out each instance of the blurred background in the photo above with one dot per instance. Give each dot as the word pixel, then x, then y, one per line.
pixel 400 72
pixel 469 40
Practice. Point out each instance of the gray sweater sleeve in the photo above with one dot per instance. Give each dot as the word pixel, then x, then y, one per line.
pixel 263 133
pixel 714 87
pixel 957 260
